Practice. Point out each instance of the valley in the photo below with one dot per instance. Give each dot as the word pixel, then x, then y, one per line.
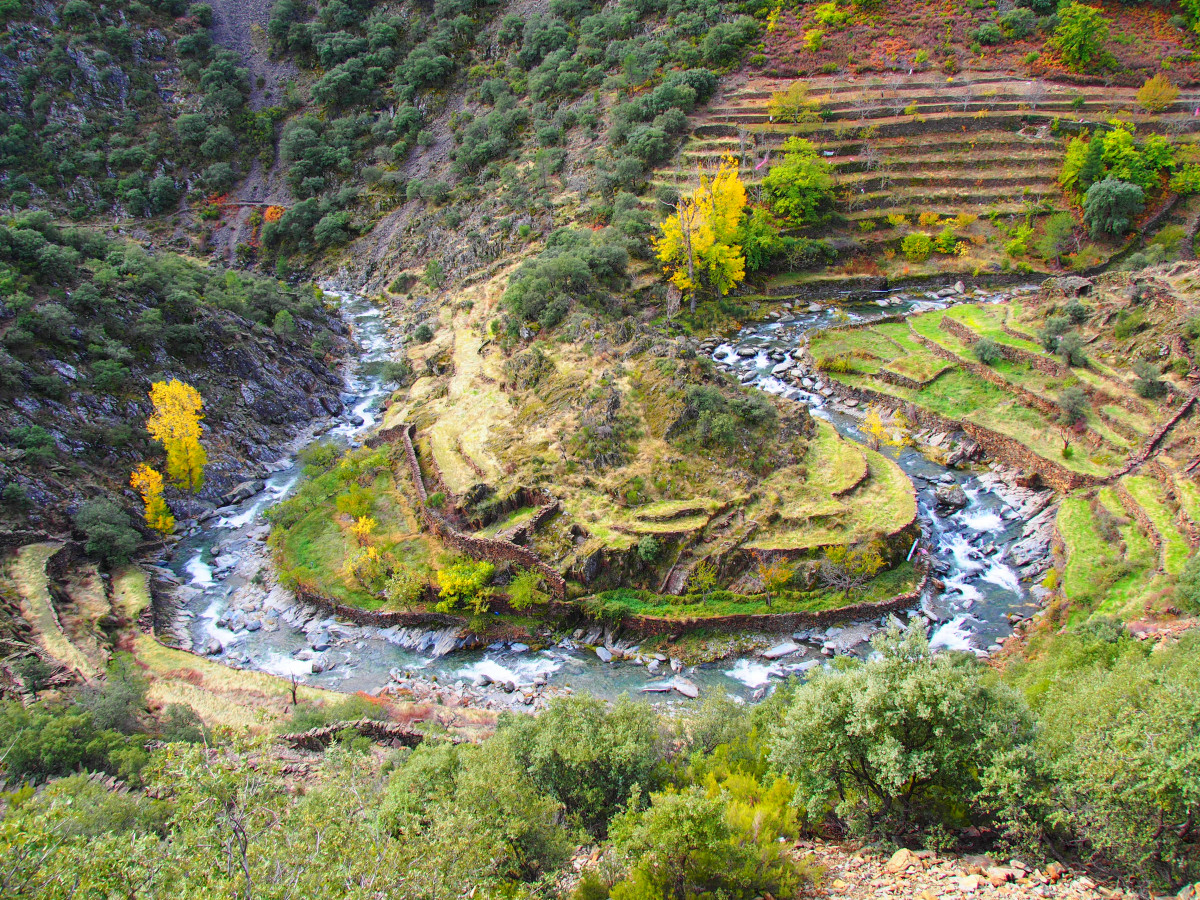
pixel 634 449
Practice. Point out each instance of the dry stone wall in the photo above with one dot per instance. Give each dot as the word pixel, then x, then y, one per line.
pixel 778 623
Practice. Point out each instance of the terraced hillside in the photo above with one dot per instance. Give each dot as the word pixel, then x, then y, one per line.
pixel 919 151
pixel 1115 432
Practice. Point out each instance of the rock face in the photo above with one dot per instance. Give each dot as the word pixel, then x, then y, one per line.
pixel 260 390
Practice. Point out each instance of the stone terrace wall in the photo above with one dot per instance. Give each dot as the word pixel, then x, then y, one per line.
pixel 487 549
pixel 998 446
pixel 1143 521
pixel 1041 363
pixel 777 623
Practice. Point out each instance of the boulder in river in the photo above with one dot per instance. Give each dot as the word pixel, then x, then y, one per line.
pixel 243 491
pixel 780 650
pixel 685 687
pixel 604 654
pixel 950 497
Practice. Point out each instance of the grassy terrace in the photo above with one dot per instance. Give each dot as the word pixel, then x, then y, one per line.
pixel 722 603
pixel 810 517
pixel 1151 497
pixel 1103 578
pixel 314 543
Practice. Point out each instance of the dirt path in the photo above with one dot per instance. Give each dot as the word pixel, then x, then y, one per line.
pixel 241 26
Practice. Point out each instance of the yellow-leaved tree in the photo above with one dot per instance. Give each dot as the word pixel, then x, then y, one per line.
pixel 698 246
pixel 148 482
pixel 175 423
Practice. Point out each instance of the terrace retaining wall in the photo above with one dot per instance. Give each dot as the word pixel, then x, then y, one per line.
pixel 998 446
pixel 778 623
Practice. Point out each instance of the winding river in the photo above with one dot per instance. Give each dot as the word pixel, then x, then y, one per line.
pixel 221 563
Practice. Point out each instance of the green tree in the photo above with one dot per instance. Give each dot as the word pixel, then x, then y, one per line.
pixel 111 537
pixel 1058 237
pixel 1110 206
pixel 799 189
pixel 1074 404
pixel 1080 36
pixel 906 738
pixel 588 757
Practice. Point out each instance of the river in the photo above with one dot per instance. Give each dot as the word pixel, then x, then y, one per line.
pixel 231 610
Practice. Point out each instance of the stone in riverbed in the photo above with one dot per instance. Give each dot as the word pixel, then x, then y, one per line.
pixel 604 654
pixel 685 687
pixel 780 650
pixel 658 687
pixel 951 497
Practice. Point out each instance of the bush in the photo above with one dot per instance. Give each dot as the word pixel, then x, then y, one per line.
pixel 423 334
pixel 926 734
pixel 986 351
pixel 587 756
pixel 917 246
pixel 465 583
pixel 1157 94
pixel 1116 722
pixel 989 34
pixel 1148 384
pixel 648 548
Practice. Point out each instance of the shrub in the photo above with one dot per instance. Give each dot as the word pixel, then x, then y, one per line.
pixel 465 583
pixel 928 732
pixel 989 33
pixel 423 334
pixel 648 548
pixel 1157 94
pixel 986 351
pixel 111 537
pixel 1149 383
pixel 525 590
pixel 917 246
pixel 1018 23
pixel 587 756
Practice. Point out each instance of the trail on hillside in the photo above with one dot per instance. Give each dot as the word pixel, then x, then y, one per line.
pixel 241 26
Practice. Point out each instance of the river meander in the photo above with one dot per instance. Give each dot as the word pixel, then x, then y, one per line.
pixel 217 562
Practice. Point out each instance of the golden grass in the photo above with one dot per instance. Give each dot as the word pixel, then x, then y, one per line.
pixel 28 574
pixel 131 592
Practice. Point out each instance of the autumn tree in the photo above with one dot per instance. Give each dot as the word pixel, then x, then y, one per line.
pixel 1157 94
pixel 362 528
pixel 849 568
pixel 873 427
pixel 698 242
pixel 775 573
pixel 148 482
pixel 175 423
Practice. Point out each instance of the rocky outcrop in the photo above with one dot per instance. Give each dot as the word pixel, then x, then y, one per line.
pixel 388 733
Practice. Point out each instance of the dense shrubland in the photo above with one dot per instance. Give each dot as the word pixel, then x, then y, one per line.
pixel 92 321
pixel 1085 750
pixel 89 132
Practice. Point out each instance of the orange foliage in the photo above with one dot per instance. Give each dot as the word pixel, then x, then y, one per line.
pixel 273 214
